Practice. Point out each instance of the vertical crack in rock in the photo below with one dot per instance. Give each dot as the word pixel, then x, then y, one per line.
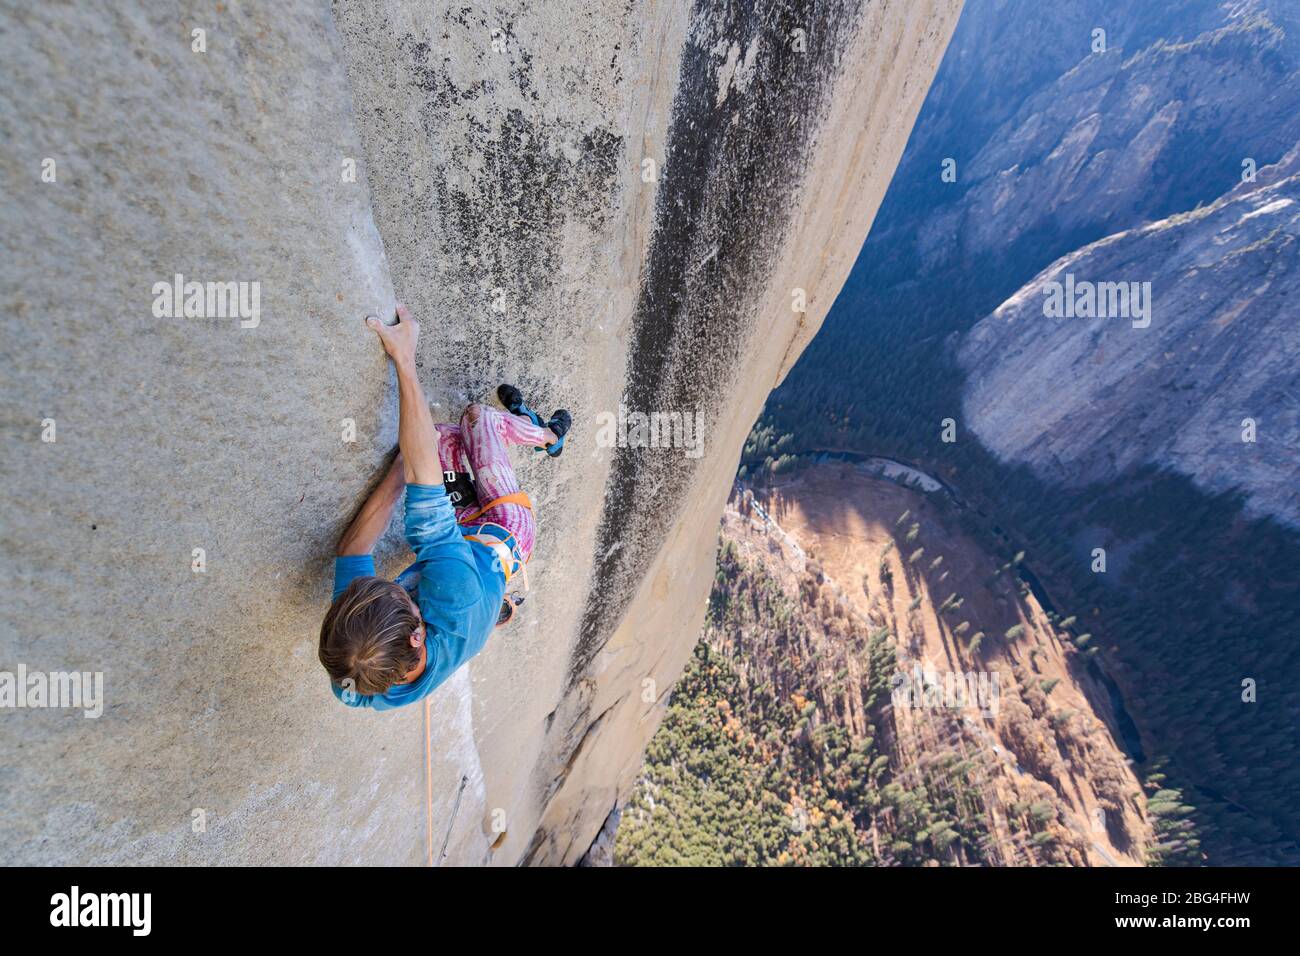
pixel 743 123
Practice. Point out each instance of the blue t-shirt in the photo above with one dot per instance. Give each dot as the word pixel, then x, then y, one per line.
pixel 458 585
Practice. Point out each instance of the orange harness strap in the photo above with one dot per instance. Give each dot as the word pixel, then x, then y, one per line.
pixel 505 557
pixel 514 498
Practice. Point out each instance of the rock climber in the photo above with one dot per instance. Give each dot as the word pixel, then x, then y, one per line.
pixel 390 643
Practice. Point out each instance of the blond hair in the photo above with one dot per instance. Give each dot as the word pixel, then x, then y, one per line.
pixel 366 636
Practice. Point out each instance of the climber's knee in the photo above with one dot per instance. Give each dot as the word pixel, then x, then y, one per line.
pixel 473 413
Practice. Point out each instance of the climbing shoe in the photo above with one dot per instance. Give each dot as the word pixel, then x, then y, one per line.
pixel 513 400
pixel 560 423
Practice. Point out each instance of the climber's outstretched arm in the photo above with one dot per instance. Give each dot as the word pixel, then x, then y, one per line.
pixel 369 524
pixel 415 432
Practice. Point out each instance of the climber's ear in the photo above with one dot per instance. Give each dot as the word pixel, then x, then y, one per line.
pixel 417 635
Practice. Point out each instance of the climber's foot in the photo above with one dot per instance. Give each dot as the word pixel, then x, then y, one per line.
pixel 513 400
pixel 560 423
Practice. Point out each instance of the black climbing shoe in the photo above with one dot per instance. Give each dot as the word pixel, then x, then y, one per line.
pixel 560 423
pixel 513 400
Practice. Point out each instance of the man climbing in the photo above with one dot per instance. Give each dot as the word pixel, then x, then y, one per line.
pixel 390 643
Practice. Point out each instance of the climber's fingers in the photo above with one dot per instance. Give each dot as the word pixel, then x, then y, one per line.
pixel 399 339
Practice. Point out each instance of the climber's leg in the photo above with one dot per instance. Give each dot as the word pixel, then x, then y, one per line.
pixel 521 431
pixel 451 451
pixel 486 434
pixel 555 428
pixel 513 400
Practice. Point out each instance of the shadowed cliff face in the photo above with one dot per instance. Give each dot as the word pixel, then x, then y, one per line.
pixel 737 154
pixel 499 153
pixel 785 159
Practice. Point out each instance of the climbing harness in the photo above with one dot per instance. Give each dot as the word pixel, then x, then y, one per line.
pixel 514 498
pixel 504 546
pixel 502 541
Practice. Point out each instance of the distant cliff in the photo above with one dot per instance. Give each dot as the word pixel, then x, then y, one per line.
pixel 647 205
pixel 1210 389
pixel 1095 133
pixel 1106 141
